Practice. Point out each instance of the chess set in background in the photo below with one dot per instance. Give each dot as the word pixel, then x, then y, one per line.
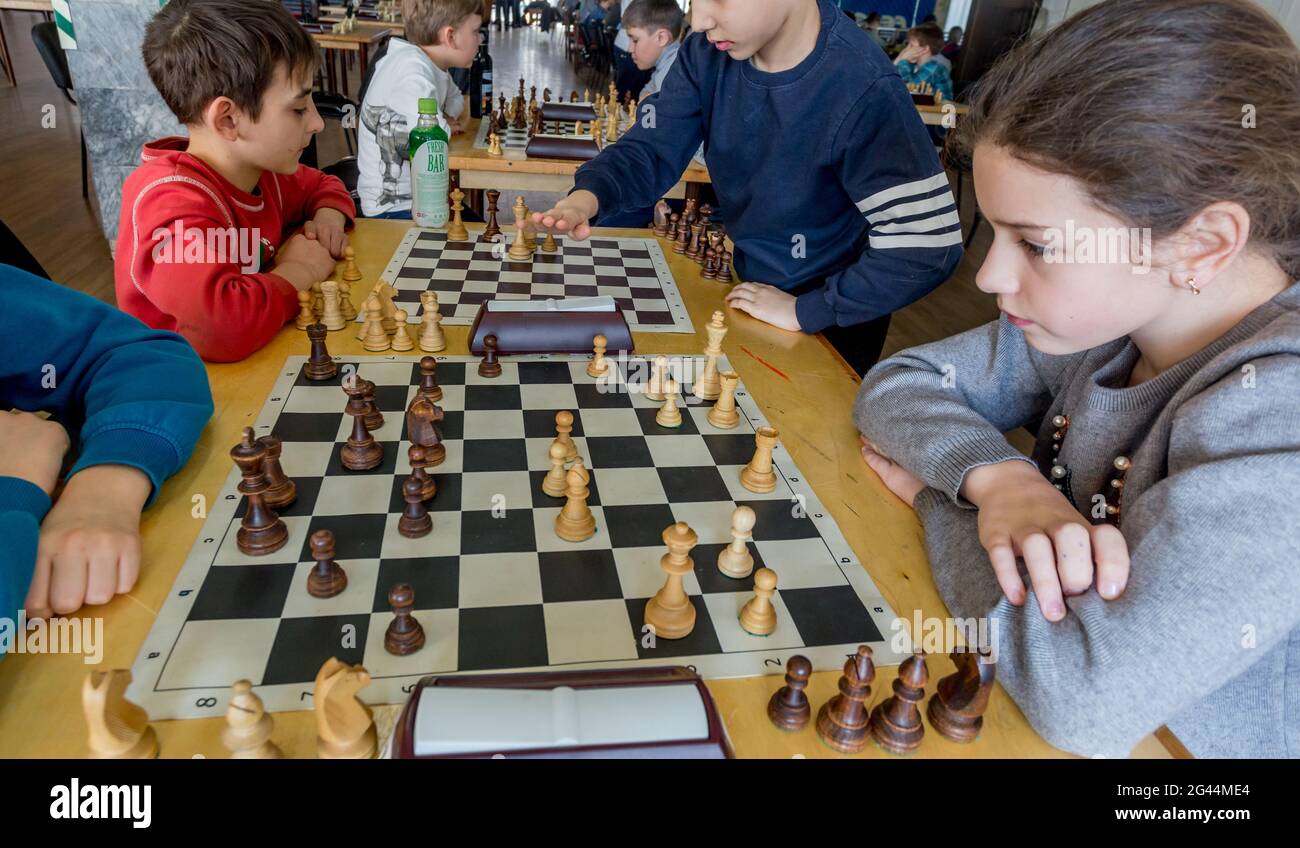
pixel 581 133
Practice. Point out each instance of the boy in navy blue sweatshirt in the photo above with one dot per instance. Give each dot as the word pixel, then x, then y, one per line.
pixel 829 184
pixel 127 401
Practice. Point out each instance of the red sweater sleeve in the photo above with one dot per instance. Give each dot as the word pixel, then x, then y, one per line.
pixel 225 312
pixel 308 191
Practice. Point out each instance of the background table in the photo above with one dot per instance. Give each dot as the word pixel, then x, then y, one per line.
pixel 358 41
pixel 805 391
pixel 478 170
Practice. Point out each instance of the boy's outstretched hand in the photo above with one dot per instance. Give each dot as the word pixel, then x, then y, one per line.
pixel 766 303
pixel 570 215
pixel 89 548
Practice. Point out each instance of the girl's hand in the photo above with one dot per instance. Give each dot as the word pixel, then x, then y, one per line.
pixel 896 478
pixel 1022 515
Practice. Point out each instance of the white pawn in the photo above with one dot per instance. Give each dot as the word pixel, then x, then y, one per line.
pixel 305 315
pixel 735 559
pixel 247 735
pixel 758 618
pixel 401 338
pixel 431 338
pixel 598 366
pixel 375 338
pixel 669 415
pixel 654 390
pixel 554 484
pixel 331 312
pixel 345 301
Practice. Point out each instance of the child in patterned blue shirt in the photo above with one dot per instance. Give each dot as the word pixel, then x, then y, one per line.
pixel 919 61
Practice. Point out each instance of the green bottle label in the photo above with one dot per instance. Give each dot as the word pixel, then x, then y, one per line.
pixel 429 176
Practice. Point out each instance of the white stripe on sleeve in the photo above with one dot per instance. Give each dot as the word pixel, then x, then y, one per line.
pixel 911 189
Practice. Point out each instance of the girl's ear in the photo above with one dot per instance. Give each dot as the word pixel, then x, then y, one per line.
pixel 1208 243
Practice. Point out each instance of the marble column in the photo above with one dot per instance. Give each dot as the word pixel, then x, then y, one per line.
pixel 120 109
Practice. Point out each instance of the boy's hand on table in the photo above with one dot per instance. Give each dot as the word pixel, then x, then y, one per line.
pixel 329 228
pixel 1022 515
pixel 766 303
pixel 570 215
pixel 304 262
pixel 896 478
pixel 89 548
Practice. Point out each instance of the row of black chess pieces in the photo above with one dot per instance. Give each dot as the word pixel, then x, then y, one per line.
pixel 956 710
pixel 694 236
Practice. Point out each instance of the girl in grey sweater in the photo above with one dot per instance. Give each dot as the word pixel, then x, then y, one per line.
pixel 1143 566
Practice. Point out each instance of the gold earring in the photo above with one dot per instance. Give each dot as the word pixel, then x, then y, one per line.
pixel 1191 284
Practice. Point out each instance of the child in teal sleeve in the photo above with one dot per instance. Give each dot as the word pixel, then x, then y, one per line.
pixel 921 60
pixel 126 402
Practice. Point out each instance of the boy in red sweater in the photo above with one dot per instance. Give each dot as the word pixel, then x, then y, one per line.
pixel 204 219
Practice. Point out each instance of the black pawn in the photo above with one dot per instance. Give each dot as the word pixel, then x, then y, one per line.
pixel 419 457
pixel 429 387
pixel 404 635
pixel 374 418
pixel 415 521
pixel 489 367
pixel 320 365
pixel 789 709
pixel 327 577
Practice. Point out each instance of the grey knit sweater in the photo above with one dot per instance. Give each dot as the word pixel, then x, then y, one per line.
pixel 1206 637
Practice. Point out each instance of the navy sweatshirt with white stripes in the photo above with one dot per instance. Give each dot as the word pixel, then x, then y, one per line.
pixel 829 184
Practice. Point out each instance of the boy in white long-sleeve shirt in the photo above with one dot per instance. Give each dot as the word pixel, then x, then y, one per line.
pixel 440 34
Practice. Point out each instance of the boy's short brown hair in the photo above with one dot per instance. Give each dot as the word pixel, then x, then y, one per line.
pixel 199 50
pixel 929 35
pixel 425 19
pixel 654 15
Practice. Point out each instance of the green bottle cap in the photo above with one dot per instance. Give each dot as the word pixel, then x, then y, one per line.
pixel 428 105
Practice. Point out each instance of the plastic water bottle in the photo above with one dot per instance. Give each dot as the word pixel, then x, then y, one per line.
pixel 429 178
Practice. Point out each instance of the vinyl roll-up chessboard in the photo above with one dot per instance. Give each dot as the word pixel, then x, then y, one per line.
pixel 633 271
pixel 495 588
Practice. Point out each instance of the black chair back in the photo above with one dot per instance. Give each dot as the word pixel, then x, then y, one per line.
pixel 46 37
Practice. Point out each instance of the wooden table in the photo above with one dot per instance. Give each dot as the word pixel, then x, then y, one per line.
pixel 45 7
pixel 804 389
pixel 933 114
pixel 396 28
pixel 358 41
pixel 478 170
